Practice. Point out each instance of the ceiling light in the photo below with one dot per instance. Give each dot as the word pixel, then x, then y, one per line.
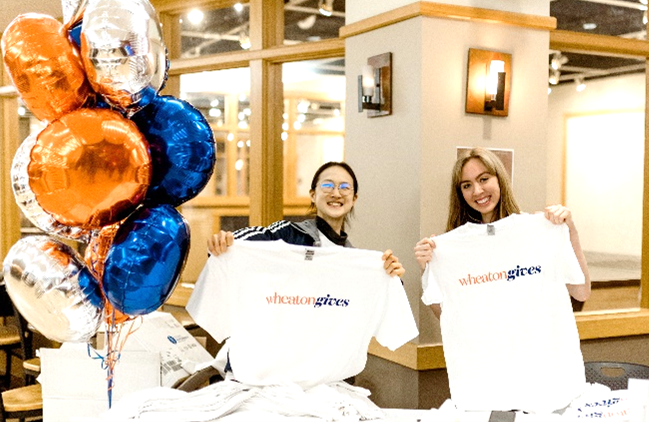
pixel 558 60
pixel 195 16
pixel 326 7
pixel 579 81
pixel 644 1
pixel 554 77
pixel 549 90
pixel 244 40
pixel 306 23
pixel 238 7
pixel 589 26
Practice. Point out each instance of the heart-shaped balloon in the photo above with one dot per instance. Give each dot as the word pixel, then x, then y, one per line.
pixel 44 66
pixel 90 168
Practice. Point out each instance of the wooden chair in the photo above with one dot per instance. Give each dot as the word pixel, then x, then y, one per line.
pixel 10 342
pixel 31 364
pixel 615 375
pixel 198 379
pixel 21 403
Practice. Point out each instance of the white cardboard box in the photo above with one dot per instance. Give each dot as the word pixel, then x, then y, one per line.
pixel 181 353
pixel 158 353
pixel 75 385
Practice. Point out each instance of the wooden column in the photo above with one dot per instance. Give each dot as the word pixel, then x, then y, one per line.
pixel 644 273
pixel 266 104
pixel 9 211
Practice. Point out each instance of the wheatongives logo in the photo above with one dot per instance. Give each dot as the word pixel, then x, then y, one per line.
pixel 510 275
pixel 278 299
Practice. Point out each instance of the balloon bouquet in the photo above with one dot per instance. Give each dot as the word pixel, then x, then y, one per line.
pixel 108 170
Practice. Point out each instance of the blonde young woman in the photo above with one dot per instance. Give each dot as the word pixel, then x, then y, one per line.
pixel 481 192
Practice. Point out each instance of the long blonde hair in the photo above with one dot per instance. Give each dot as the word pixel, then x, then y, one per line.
pixel 459 211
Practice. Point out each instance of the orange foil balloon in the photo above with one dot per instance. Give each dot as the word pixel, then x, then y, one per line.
pixel 90 168
pixel 95 257
pixel 44 66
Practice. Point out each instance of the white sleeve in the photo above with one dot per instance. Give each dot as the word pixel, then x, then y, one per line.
pixel 209 304
pixel 432 293
pixel 397 326
pixel 568 267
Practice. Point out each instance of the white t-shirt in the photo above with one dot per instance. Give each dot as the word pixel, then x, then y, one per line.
pixel 299 314
pixel 509 334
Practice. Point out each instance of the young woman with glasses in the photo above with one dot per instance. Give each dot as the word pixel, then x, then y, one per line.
pixel 334 190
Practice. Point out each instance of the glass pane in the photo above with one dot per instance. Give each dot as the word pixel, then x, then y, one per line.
pixel 314 125
pixel 626 18
pixel 598 132
pixel 222 97
pixel 215 31
pixel 242 165
pixel 312 20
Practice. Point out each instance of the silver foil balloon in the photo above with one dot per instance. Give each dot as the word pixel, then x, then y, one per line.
pixel 53 289
pixel 26 199
pixel 123 52
pixel 72 11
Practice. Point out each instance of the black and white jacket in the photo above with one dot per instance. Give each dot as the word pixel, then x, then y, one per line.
pixel 306 233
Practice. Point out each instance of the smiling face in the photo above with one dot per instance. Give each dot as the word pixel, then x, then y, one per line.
pixel 480 188
pixel 335 205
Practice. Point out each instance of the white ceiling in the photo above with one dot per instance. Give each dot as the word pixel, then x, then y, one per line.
pixel 9 9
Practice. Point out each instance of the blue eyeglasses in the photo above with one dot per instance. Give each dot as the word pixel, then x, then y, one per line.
pixel 344 188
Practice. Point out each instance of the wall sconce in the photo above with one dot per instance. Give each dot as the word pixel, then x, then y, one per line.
pixel 375 86
pixel 326 7
pixel 488 82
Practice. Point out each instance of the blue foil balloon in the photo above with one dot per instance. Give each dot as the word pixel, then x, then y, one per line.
pixel 182 149
pixel 145 259
pixel 75 34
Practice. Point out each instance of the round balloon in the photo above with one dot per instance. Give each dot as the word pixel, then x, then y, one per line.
pixel 44 66
pixel 182 149
pixel 90 168
pixel 123 51
pixel 53 289
pixel 145 260
pixel 26 199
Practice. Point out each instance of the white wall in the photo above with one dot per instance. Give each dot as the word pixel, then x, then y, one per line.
pixel 604 173
pixel 404 160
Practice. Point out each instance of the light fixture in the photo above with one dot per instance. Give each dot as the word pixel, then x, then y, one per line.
pixel 238 7
pixel 579 81
pixel 326 7
pixel 495 86
pixel 375 86
pixel 554 77
pixel 244 40
pixel 306 23
pixel 644 17
pixel 558 60
pixel 488 82
pixel 195 16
